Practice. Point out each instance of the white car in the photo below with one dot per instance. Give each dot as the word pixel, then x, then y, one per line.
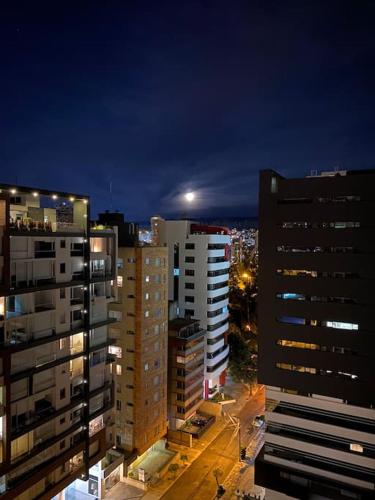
pixel 258 421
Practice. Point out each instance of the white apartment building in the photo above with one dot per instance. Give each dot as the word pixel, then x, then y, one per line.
pixel 56 383
pixel 199 263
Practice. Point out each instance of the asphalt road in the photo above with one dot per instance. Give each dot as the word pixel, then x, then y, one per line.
pixel 198 482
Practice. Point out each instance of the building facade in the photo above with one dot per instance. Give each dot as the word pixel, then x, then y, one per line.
pixel 141 333
pixel 186 352
pixel 56 387
pixel 199 260
pixel 316 335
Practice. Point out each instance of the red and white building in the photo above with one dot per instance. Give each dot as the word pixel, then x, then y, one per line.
pixel 199 260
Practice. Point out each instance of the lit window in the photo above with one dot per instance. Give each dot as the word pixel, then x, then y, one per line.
pixel 118 370
pixel 342 326
pixel 147 296
pixel 119 281
pixel 147 314
pixel 147 279
pixel 356 447
pixel 146 367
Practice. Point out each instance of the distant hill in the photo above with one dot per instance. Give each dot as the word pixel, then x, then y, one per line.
pixel 231 222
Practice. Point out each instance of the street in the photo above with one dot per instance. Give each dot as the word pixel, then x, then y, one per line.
pixel 198 482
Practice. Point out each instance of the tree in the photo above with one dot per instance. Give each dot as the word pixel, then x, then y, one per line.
pixel 173 468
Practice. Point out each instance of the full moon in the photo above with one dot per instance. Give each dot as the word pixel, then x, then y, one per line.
pixel 189 197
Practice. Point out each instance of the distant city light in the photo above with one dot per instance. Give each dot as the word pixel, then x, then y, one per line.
pixel 35 194
pixel 189 197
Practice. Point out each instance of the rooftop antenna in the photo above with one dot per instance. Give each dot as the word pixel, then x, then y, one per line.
pixel 110 194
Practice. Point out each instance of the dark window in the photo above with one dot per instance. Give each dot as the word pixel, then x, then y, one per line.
pixel 62 293
pixel 189 272
pixel 62 267
pixel 189 246
pixel 62 393
pixel 62 420
pixel 190 286
pixel 62 444
pixel 189 312
pixel 62 243
pixel 118 405
pixel 189 259
pixel 189 298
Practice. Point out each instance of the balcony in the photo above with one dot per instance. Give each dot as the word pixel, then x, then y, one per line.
pixel 28 225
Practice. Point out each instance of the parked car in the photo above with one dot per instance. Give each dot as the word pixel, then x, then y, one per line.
pixel 258 421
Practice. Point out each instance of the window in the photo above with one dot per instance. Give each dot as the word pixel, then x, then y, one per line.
pixel 147 278
pixel 156 346
pixel 156 329
pixel 62 393
pixel 62 244
pixel 118 405
pixel 62 420
pixel 157 261
pixel 189 246
pixel 120 263
pixel 189 272
pixel 147 296
pixel 62 267
pixel 147 314
pixel 157 363
pixel 156 380
pixel 189 312
pixel 190 286
pixel 118 370
pixel 119 281
pixel 116 350
pixel 157 296
pixel 62 293
pixel 189 298
pixel 356 447
pixel 190 259
pixel 156 397
pixel 146 367
pixel 62 444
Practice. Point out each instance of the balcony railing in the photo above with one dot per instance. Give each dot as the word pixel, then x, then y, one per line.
pixel 29 224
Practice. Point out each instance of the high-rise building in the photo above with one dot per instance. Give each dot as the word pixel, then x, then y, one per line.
pixel 142 342
pixel 317 336
pixel 56 386
pixel 199 263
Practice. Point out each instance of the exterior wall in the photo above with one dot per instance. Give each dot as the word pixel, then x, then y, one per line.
pixel 316 342
pixel 56 384
pixel 192 276
pixel 141 417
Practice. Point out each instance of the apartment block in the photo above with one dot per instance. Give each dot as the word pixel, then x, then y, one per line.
pixel 316 335
pixel 186 352
pixel 142 341
pixel 56 386
pixel 199 260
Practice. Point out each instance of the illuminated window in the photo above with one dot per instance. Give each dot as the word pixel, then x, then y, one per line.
pixel 147 279
pixel 147 296
pixel 119 281
pixel 118 370
pixel 356 447
pixel 342 326
pixel 147 314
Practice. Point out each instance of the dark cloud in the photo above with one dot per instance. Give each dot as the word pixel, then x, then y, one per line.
pixel 161 97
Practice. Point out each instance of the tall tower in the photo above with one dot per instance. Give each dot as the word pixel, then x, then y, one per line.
pixel 199 260
pixel 316 335
pixel 56 386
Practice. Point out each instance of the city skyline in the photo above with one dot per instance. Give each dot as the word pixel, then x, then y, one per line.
pixel 158 100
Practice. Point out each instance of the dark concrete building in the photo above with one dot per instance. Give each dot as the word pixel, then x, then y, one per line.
pixel 317 335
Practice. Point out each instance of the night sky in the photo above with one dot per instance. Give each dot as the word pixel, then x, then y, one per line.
pixel 160 97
